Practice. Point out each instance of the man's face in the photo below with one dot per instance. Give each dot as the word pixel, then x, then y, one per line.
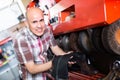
pixel 36 22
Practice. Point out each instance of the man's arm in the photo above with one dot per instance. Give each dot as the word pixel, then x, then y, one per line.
pixel 36 68
pixel 57 50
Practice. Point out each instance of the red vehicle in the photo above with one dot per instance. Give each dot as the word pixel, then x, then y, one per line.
pixel 91 27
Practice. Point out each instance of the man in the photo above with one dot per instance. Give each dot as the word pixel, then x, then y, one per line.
pixel 31 45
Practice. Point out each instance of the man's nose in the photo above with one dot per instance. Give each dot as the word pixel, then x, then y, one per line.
pixel 39 24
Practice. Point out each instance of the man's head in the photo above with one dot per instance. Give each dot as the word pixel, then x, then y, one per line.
pixel 35 21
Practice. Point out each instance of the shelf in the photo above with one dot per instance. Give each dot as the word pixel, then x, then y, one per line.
pixel 5 40
pixel 3 63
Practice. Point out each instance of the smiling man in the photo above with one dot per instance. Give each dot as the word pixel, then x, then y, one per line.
pixel 31 45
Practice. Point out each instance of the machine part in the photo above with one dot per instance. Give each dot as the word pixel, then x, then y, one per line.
pixel 84 42
pixel 114 73
pixel 111 37
pixel 73 40
pixel 65 43
pixel 97 40
pixel 60 65
pixel 79 76
pixel 58 41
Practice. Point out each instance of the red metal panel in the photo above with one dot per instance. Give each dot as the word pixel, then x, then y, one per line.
pixel 112 10
pixel 88 13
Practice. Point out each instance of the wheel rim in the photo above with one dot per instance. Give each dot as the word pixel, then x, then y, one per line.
pixel 117 36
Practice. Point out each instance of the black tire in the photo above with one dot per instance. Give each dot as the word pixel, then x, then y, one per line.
pixel 84 42
pixel 73 40
pixel 111 39
pixel 58 41
pixel 65 43
pixel 97 40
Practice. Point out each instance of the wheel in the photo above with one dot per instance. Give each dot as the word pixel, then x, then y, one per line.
pixel 111 38
pixel 73 40
pixel 84 42
pixel 65 43
pixel 97 40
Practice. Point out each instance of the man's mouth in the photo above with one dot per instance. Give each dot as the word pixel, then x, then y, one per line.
pixel 40 30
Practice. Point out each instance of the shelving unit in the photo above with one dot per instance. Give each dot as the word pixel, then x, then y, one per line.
pixel 9 70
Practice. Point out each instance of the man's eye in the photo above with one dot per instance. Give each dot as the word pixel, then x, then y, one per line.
pixel 41 20
pixel 34 21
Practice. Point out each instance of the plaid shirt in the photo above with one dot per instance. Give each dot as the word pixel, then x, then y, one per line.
pixel 30 47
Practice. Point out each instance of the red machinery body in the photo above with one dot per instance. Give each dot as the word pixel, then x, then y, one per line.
pixel 94 29
pixel 88 13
